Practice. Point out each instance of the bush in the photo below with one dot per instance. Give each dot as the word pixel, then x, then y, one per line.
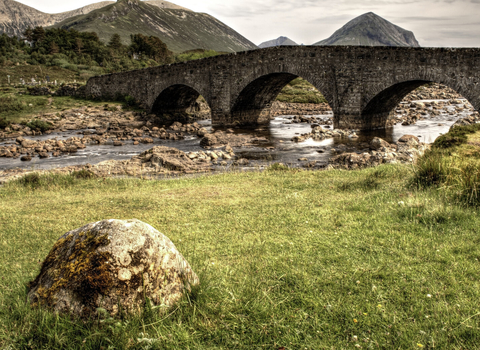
pixel 11 104
pixel 129 101
pixel 297 81
pixel 4 123
pixel 39 125
pixel 60 62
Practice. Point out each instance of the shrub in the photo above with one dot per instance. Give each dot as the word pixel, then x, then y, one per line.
pixel 60 62
pixel 35 180
pixel 297 81
pixel 130 101
pixel 39 125
pixel 11 104
pixel 4 123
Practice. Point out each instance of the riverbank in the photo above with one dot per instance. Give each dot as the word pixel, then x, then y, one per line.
pixel 76 133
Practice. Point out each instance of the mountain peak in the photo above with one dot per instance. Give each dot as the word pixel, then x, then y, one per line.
pixel 370 29
pixel 129 2
pixel 280 41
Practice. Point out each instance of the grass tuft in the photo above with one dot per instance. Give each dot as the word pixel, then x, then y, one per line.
pixel 452 165
pixel 278 167
pixel 83 174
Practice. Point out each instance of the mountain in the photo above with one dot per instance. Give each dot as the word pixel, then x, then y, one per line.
pixel 165 5
pixel 180 28
pixel 280 41
pixel 16 17
pixel 371 30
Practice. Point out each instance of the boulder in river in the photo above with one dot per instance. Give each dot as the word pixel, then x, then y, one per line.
pixel 111 264
pixel 208 140
pixel 378 143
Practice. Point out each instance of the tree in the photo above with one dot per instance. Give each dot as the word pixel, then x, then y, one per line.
pixel 115 42
pixel 150 47
pixel 54 48
pixel 78 45
pixel 38 34
pixel 28 34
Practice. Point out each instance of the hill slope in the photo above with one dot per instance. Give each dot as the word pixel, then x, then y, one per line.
pixel 280 41
pixel 16 17
pixel 180 29
pixel 371 30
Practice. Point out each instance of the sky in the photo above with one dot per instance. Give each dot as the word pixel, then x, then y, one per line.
pixel 435 23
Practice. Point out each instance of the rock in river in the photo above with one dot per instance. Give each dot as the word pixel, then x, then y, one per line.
pixel 111 264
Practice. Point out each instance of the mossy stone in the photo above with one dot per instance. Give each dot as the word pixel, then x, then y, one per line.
pixel 113 265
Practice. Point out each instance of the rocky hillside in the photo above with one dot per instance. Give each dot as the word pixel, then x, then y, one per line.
pixel 16 17
pixel 371 30
pixel 281 41
pixel 180 28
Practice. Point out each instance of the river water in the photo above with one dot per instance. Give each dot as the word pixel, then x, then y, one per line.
pixel 274 144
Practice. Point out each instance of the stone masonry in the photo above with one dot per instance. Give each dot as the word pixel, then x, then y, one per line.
pixel 361 84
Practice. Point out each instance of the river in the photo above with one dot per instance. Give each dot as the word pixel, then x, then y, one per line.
pixel 274 144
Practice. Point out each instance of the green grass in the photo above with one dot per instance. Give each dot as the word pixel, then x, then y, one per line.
pixel 286 258
pixel 15 107
pixel 300 91
pixel 27 72
pixel 453 165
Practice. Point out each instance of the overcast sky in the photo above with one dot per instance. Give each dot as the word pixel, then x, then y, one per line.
pixel 434 22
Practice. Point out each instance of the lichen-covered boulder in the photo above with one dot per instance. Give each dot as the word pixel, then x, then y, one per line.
pixel 113 265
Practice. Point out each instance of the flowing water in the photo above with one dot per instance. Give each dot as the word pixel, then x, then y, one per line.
pixel 275 144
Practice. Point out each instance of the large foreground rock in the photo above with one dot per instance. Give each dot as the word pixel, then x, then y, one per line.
pixel 111 264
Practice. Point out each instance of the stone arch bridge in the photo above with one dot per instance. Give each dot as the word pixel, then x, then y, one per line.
pixel 361 84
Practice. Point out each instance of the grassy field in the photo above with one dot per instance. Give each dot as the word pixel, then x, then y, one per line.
pixel 15 107
pixel 287 259
pixel 38 72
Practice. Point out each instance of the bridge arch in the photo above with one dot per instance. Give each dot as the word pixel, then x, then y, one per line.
pixel 378 108
pixel 254 98
pixel 177 102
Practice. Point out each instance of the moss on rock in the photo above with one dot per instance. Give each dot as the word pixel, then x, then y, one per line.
pixel 108 264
